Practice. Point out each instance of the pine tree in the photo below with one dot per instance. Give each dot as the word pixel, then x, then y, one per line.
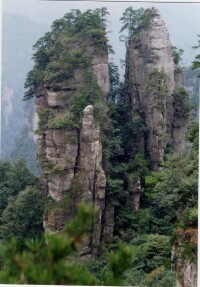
pixel 50 261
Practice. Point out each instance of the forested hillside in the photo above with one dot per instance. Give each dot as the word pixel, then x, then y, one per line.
pixel 119 160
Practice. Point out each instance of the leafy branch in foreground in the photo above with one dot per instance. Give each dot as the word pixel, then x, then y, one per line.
pixel 51 262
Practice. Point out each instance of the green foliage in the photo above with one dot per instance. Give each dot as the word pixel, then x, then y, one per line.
pixel 25 147
pixel 55 61
pixel 152 179
pixel 138 165
pixel 196 62
pixel 115 190
pixel 160 277
pixel 157 83
pixel 22 218
pixel 55 258
pixel 173 190
pixel 44 116
pixel 21 203
pixel 14 179
pixel 53 168
pixel 62 66
pixel 193 131
pixel 169 195
pixel 129 224
pixel 62 122
pixel 89 94
pixel 152 264
pixel 155 251
pixel 182 103
pixel 118 264
pixel 131 132
pixel 98 267
pixel 114 93
pixel 135 277
pixel 133 20
pixel 168 213
pixel 176 54
pixel 34 77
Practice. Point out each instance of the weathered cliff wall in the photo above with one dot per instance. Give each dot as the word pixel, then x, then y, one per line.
pixel 155 95
pixel 151 79
pixel 186 270
pixel 186 274
pixel 69 144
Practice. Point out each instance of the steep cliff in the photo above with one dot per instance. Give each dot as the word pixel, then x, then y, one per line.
pixel 155 98
pixel 105 143
pixel 153 84
pixel 71 107
pixel 186 273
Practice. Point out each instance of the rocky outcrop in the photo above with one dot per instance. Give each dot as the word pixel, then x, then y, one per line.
pixel 186 270
pixel 151 79
pixel 186 274
pixel 154 97
pixel 134 189
pixel 90 175
pixel 70 151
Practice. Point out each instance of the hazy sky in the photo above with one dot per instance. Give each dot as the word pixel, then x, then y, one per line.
pixel 182 20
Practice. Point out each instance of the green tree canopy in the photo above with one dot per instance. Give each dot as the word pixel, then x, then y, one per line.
pixel 134 19
pixel 14 179
pixel 54 61
pixel 52 263
pixel 22 218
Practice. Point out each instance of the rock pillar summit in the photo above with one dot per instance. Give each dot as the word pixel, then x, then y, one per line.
pixel 153 83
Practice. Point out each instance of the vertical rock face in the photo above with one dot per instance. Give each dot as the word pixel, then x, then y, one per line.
pixel 151 79
pixel 186 270
pixel 134 188
pixel 151 74
pixel 187 274
pixel 91 176
pixel 155 97
pixel 71 155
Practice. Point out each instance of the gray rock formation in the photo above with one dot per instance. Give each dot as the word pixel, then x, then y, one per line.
pixel 155 96
pixel 186 270
pixel 151 79
pixel 134 189
pixel 71 157
pixel 187 274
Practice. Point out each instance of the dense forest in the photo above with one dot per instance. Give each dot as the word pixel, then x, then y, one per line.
pixel 116 201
